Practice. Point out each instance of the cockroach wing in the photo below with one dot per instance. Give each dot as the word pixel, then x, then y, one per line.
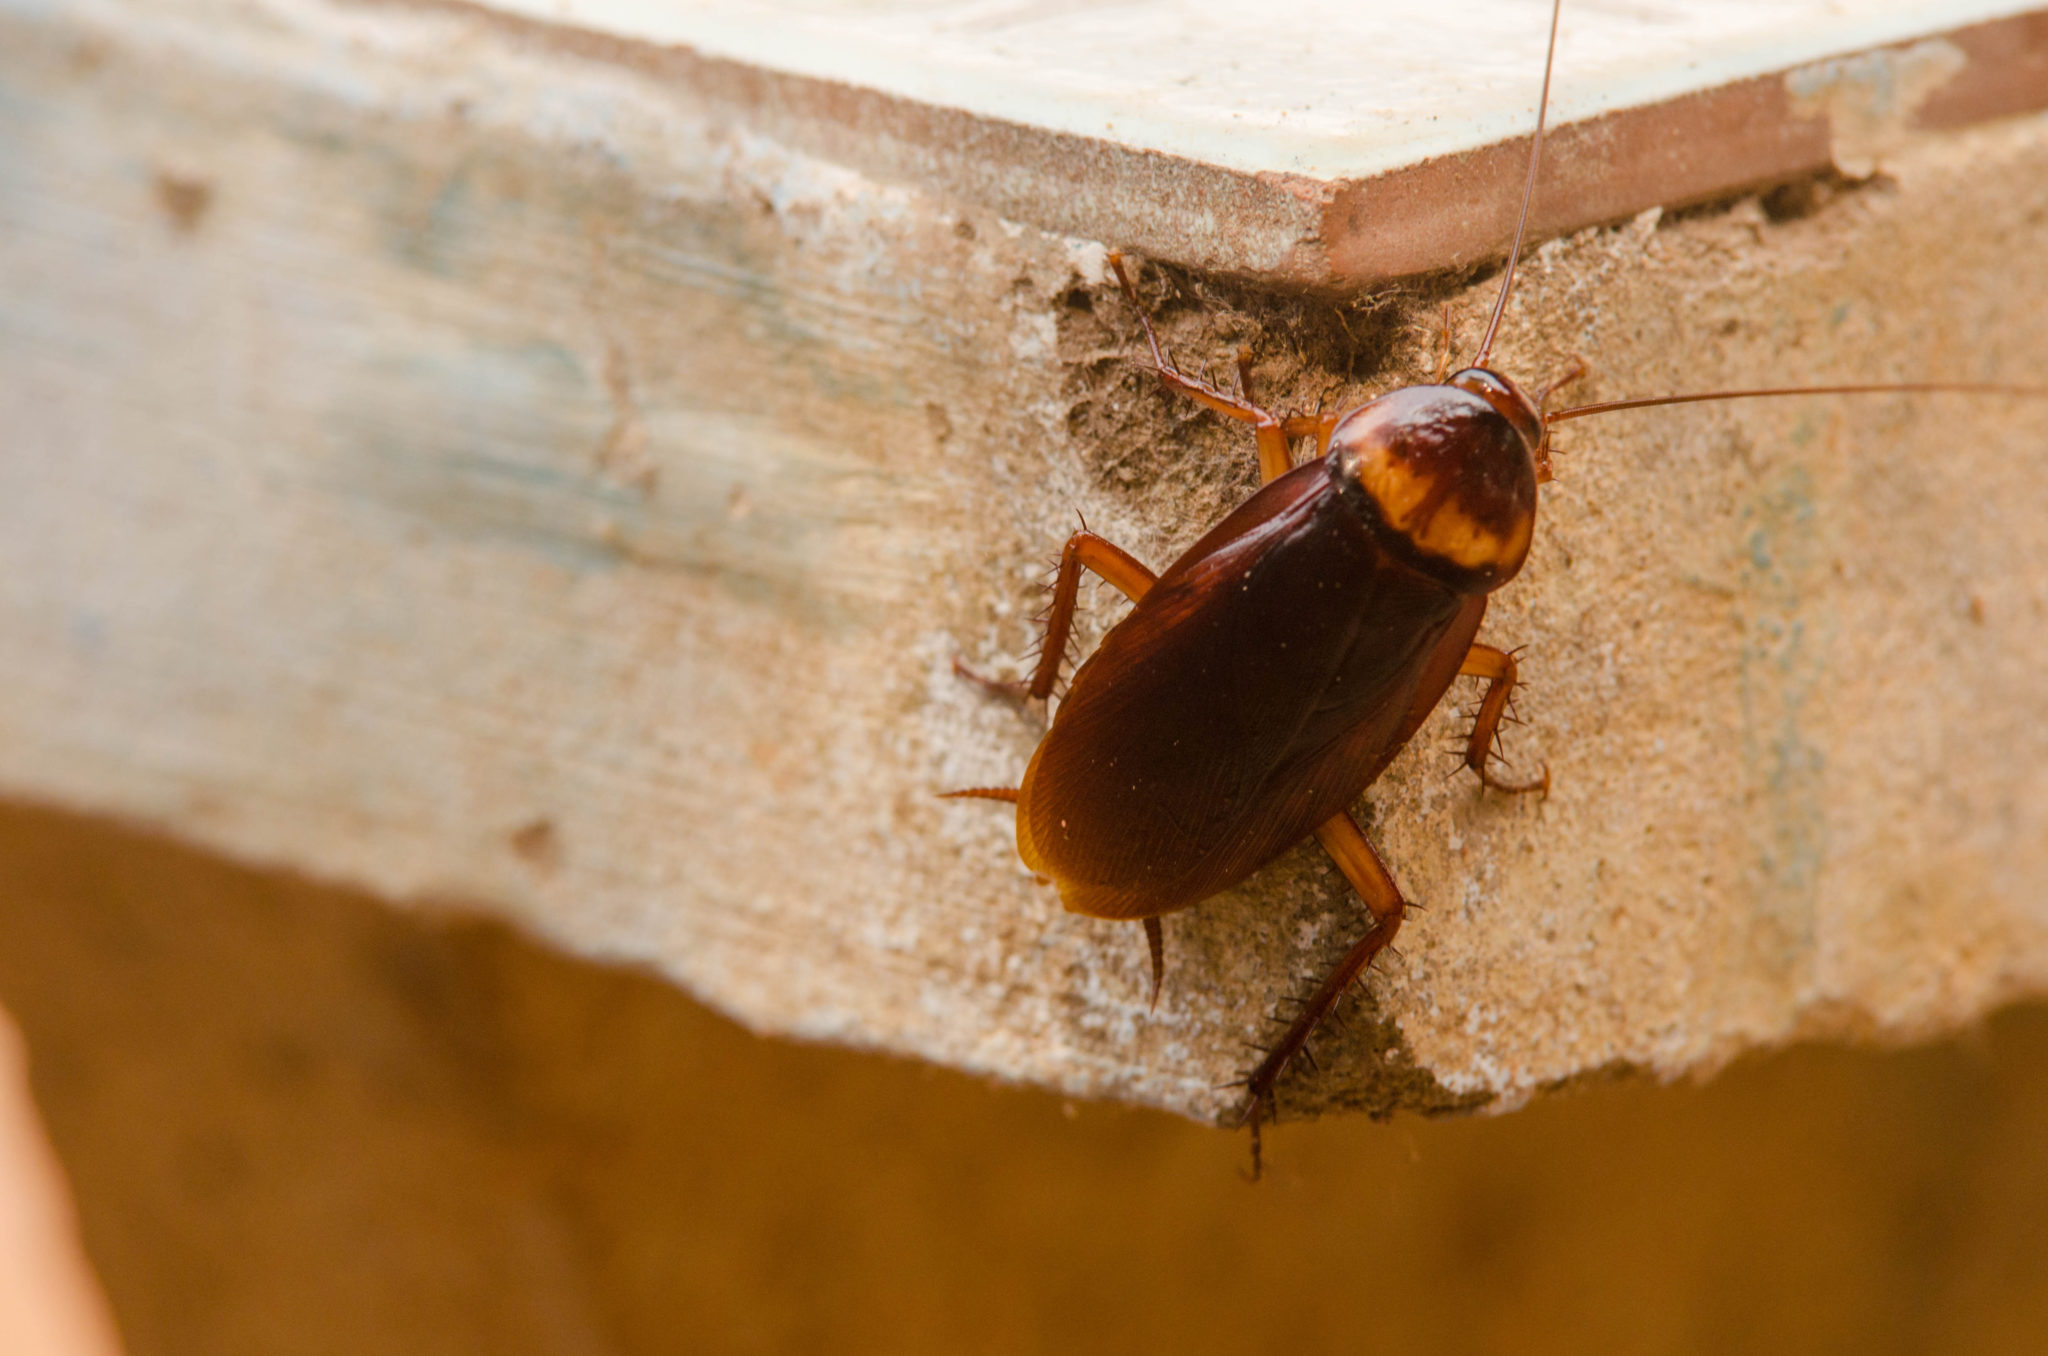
pixel 1255 691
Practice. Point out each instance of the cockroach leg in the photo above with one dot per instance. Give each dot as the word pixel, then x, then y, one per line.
pixel 1122 569
pixel 1155 942
pixel 1276 459
pixel 1108 560
pixel 1320 425
pixel 1353 852
pixel 1498 668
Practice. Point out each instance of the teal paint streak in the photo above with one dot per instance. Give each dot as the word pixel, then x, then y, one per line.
pixel 498 445
pixel 437 245
pixel 481 444
pixel 462 420
pixel 1783 672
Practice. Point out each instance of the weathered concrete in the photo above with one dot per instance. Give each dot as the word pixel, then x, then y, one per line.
pixel 490 474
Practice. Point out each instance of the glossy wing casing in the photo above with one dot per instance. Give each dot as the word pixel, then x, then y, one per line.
pixel 1264 681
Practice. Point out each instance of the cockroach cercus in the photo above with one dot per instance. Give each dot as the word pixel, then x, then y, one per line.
pixel 1266 678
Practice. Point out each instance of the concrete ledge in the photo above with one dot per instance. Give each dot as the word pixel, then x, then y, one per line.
pixel 485 472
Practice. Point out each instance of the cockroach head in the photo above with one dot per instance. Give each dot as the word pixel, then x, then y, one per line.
pixel 1446 476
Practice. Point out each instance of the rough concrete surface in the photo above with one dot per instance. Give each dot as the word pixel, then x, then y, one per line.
pixel 483 474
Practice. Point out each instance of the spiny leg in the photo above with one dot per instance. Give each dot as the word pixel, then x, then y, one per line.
pixel 1275 457
pixel 1107 559
pixel 1319 426
pixel 1130 577
pixel 1353 852
pixel 1498 668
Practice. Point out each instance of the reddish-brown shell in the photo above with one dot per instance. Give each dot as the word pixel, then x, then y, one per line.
pixel 1254 692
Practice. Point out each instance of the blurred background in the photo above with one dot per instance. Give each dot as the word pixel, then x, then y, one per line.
pixel 298 1122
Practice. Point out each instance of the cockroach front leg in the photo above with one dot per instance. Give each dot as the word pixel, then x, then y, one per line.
pixel 1353 852
pixel 1318 426
pixel 1498 668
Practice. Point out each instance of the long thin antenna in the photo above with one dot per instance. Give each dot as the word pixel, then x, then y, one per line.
pixel 1891 388
pixel 1507 282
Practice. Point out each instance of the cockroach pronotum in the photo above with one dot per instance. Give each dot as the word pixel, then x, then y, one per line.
pixel 1266 678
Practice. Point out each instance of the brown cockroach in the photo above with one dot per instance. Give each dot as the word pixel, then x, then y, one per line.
pixel 1263 681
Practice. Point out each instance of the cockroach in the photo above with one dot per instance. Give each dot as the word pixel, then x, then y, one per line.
pixel 1261 683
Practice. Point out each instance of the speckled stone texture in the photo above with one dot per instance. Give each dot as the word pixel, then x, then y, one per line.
pixel 494 476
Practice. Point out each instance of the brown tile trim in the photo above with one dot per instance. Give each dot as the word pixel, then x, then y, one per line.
pixel 2007 74
pixel 1298 231
pixel 1459 209
pixel 1451 211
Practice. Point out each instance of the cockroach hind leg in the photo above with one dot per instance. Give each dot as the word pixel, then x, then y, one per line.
pixel 1355 857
